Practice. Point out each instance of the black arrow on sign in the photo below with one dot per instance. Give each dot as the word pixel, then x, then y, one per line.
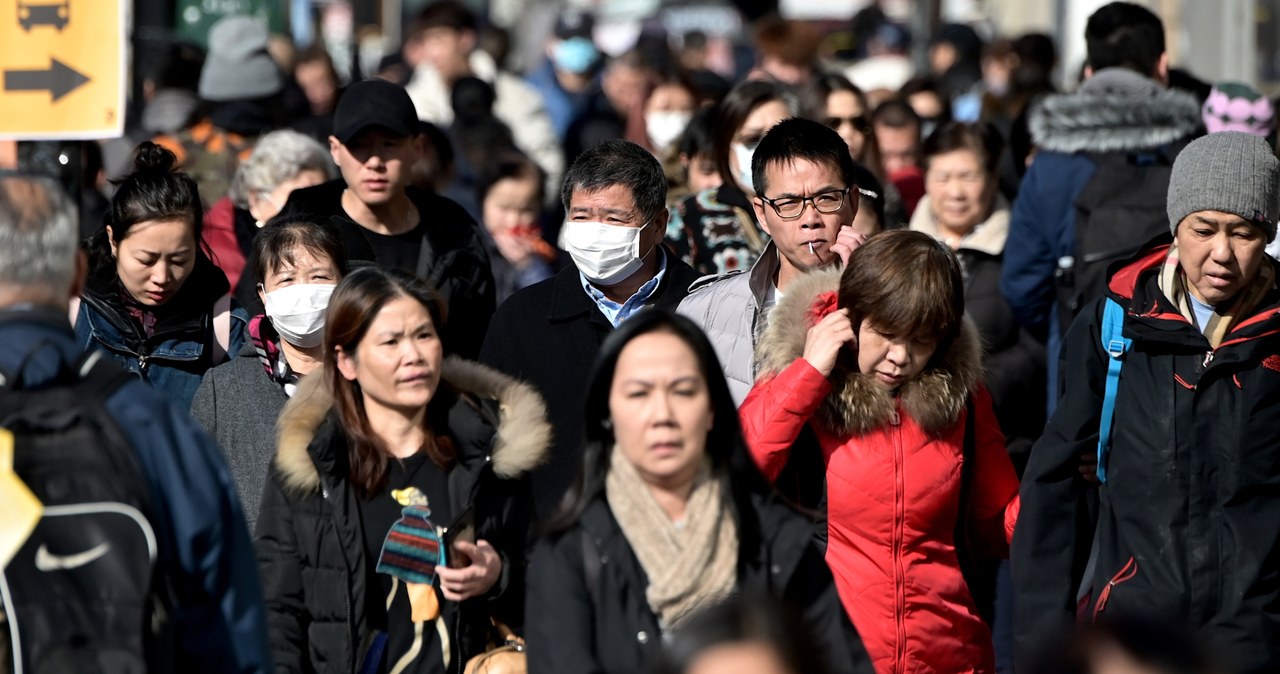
pixel 59 80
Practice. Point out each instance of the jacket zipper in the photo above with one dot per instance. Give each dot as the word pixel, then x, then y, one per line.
pixel 1127 572
pixel 351 633
pixel 899 515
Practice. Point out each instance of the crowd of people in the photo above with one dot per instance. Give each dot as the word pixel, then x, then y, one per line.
pixel 639 363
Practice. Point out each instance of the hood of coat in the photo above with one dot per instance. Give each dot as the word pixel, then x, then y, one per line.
pixel 522 439
pixel 935 399
pixel 1112 122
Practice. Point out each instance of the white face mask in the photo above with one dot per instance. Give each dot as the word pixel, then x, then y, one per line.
pixel 744 154
pixel 665 126
pixel 297 312
pixel 605 254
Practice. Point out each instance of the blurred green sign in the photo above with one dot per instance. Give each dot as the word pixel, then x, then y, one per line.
pixel 195 17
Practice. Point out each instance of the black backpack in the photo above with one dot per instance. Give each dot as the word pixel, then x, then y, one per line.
pixel 1120 210
pixel 83 593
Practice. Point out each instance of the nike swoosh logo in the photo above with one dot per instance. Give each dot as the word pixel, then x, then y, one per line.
pixel 47 561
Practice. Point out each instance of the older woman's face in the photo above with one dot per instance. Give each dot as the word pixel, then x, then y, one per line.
pixel 265 205
pixel 297 266
pixel 398 362
pixel 660 409
pixel 960 191
pixel 1220 253
pixel 739 658
pixel 890 359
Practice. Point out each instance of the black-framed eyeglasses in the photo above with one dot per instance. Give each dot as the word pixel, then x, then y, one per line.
pixel 790 208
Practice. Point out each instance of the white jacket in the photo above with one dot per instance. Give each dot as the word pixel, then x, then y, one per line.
pixel 517 104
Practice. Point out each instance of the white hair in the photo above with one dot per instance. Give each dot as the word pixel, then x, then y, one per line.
pixel 278 156
pixel 38 230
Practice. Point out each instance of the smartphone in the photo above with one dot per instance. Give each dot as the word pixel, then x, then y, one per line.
pixel 463 528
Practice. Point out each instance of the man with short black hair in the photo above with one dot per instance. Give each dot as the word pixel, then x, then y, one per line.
pixel 383 219
pixel 196 533
pixel 1103 159
pixel 806 201
pixel 548 334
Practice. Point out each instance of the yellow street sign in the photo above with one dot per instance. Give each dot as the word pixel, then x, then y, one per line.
pixel 62 68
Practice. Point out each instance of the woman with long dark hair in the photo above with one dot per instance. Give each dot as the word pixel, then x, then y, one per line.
pixel 153 300
pixel 668 516
pixel 393 524
pixel 715 230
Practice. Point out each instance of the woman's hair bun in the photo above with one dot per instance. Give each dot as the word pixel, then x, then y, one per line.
pixel 150 157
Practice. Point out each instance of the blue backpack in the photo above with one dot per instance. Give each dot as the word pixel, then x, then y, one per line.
pixel 1116 345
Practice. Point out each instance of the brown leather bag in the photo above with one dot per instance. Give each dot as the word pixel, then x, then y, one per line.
pixel 505 657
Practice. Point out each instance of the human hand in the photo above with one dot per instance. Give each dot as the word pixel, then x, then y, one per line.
pixel 515 247
pixel 847 241
pixel 824 340
pixel 474 579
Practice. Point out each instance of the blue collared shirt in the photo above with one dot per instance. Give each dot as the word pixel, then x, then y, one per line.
pixel 617 313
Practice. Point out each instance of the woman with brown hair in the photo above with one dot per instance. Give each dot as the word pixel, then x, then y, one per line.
pixel 879 362
pixel 389 443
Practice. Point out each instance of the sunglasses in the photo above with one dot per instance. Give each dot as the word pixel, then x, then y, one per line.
pixel 860 123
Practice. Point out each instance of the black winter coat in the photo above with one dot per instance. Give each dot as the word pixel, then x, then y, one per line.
pixel 1013 361
pixel 1188 524
pixel 457 266
pixel 573 627
pixel 310 538
pixel 548 335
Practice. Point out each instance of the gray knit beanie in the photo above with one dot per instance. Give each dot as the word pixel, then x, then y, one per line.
pixel 1231 172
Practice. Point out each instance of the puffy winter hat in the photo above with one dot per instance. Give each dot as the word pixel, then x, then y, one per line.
pixel 1231 172
pixel 1232 106
pixel 238 67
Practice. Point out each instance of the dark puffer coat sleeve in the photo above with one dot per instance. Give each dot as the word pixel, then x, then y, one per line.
pixel 559 618
pixel 813 591
pixel 282 580
pixel 1054 530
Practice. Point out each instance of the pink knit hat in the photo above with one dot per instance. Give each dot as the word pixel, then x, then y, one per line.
pixel 1232 106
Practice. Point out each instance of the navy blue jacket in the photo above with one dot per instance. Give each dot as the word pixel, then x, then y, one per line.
pixel 1066 128
pixel 201 532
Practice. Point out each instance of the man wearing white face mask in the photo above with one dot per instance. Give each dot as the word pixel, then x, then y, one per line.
pixel 549 333
pixel 300 264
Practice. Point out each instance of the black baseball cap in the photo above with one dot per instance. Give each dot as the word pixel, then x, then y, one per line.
pixel 374 103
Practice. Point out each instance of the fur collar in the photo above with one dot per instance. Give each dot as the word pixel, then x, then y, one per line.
pixel 856 403
pixel 523 434
pixel 988 236
pixel 1110 122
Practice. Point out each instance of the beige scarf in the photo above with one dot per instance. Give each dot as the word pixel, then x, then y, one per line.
pixel 1173 283
pixel 689 567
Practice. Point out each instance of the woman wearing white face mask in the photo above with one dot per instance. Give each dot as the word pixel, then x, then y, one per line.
pixel 299 263
pixel 667 111
pixel 715 230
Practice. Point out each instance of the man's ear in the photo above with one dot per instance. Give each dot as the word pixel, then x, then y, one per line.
pixel 758 205
pixel 335 146
pixel 81 273
pixel 1162 69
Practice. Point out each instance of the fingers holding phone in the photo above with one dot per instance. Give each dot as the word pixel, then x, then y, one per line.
pixel 481 566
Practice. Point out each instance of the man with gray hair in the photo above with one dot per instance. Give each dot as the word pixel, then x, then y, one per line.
pixel 199 542
pixel 548 334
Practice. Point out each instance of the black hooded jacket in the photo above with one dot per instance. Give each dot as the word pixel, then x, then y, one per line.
pixel 310 538
pixel 1188 524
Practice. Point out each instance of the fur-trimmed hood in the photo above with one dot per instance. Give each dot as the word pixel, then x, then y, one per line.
pixel 856 404
pixel 1113 122
pixel 522 440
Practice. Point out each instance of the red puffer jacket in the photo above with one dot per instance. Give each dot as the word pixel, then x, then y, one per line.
pixel 893 486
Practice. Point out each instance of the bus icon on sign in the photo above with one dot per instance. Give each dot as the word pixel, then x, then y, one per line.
pixel 56 14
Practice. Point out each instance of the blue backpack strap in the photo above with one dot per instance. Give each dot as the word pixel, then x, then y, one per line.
pixel 1116 345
